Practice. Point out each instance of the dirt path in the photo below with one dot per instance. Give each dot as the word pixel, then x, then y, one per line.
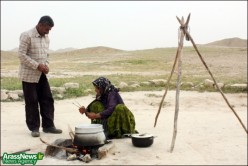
pixel 208 131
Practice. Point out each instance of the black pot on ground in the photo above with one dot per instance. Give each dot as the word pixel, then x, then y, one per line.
pixel 142 140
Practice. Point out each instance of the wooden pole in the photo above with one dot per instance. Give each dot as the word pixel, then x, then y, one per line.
pixel 216 84
pixel 180 47
pixel 184 32
pixel 167 87
pixel 172 71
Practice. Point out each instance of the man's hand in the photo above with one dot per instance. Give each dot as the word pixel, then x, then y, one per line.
pixel 43 68
pixel 46 69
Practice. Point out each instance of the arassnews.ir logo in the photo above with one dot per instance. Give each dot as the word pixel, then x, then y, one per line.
pixel 22 158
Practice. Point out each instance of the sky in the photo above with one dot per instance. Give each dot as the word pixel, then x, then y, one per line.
pixel 126 25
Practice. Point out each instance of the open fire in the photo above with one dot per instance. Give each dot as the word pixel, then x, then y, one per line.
pixel 87 143
pixel 84 154
pixel 65 149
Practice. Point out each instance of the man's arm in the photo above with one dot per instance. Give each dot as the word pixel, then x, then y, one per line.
pixel 25 42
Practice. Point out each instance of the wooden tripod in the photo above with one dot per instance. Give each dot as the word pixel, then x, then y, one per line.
pixel 184 33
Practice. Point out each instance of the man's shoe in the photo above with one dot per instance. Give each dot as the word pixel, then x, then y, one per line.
pixel 52 130
pixel 35 133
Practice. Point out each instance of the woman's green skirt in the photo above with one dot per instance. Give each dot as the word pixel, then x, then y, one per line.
pixel 120 122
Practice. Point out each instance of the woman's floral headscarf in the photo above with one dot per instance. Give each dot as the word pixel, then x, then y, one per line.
pixel 104 84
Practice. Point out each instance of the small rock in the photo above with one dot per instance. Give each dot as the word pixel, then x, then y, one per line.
pixel 13 96
pixel 146 83
pixel 71 157
pixel 86 158
pixel 158 82
pixel 4 96
pixel 19 92
pixel 123 85
pixel 60 96
pixel 59 90
pixel 135 85
pixel 221 85
pixel 71 85
pixel 208 83
pixel 239 85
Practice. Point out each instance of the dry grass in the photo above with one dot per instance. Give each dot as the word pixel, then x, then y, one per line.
pixel 225 63
pixel 228 65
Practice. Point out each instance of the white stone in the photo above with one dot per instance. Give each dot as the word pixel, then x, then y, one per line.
pixel 187 84
pixel 4 96
pixel 71 85
pixel 60 90
pixel 135 85
pixel 60 96
pixel 13 96
pixel 208 83
pixel 239 85
pixel 18 92
pixel 123 85
pixel 221 85
pixel 159 82
pixel 146 83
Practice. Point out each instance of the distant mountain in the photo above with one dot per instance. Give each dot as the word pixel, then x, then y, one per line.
pixel 65 49
pixel 97 50
pixel 230 42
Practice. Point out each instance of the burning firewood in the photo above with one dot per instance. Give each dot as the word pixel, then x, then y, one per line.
pixel 70 150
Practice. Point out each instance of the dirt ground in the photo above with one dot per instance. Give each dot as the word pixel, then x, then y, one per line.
pixel 208 131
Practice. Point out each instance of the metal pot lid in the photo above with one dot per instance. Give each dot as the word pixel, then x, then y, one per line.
pixel 142 135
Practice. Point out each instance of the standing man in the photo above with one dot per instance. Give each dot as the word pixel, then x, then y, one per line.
pixel 33 55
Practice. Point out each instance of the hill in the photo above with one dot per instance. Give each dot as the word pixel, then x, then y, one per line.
pixel 99 50
pixel 230 42
pixel 63 50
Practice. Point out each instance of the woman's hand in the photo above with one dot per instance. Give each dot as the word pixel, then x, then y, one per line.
pixel 82 110
pixel 92 115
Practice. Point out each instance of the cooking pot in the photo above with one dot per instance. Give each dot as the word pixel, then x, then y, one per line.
pixel 89 135
pixel 142 140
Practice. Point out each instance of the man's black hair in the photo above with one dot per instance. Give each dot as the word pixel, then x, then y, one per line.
pixel 47 20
